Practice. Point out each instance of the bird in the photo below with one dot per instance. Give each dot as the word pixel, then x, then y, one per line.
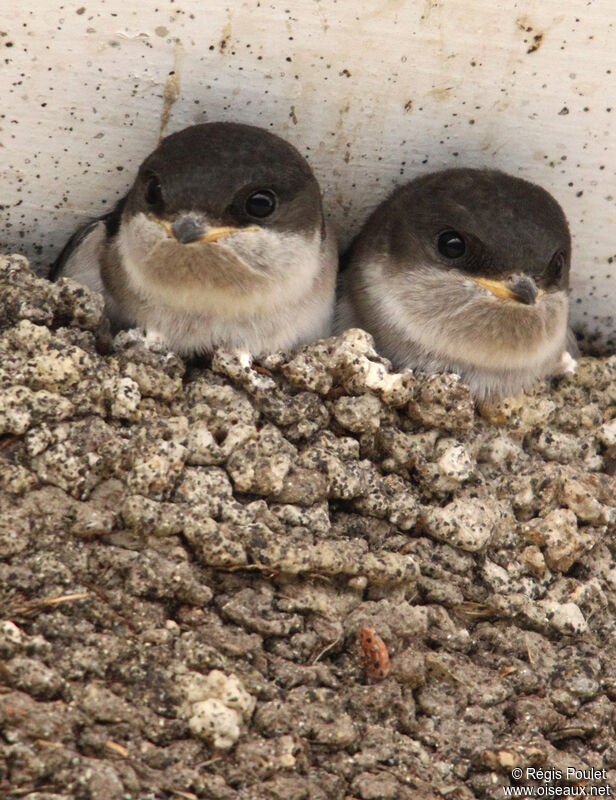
pixel 465 271
pixel 220 242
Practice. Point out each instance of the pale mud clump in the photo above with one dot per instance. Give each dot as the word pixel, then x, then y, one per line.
pixel 188 552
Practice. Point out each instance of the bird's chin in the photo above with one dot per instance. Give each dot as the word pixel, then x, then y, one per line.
pixel 218 263
pixel 230 276
pixel 457 320
pixel 190 277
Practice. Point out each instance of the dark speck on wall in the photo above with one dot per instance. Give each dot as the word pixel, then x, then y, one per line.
pixel 537 40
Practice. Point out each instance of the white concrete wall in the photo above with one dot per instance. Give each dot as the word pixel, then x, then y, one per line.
pixel 372 91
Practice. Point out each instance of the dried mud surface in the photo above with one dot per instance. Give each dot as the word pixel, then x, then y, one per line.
pixel 187 555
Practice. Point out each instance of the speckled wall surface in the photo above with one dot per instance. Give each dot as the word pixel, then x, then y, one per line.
pixel 373 92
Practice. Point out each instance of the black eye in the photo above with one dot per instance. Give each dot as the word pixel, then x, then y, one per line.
pixel 557 267
pixel 261 204
pixel 451 244
pixel 154 192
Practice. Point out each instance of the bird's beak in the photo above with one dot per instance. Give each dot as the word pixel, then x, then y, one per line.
pixel 497 288
pixel 212 234
pixel 502 290
pixel 190 228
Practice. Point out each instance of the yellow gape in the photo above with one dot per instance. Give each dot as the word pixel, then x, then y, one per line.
pixel 499 289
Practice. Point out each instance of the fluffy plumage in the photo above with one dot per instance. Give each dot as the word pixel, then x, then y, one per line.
pixel 465 271
pixel 221 241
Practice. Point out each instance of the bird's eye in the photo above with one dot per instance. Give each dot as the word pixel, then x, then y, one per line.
pixel 261 204
pixel 557 267
pixel 154 192
pixel 451 244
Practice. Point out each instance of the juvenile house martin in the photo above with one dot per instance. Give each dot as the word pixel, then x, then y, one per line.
pixel 221 241
pixel 466 271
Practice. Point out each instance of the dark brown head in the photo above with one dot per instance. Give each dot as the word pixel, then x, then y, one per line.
pixel 226 175
pixel 220 206
pixel 484 223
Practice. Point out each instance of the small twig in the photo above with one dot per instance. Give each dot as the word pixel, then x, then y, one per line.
pixel 207 763
pixel 326 649
pixel 116 748
pixel 187 795
pixel 22 791
pixel 47 602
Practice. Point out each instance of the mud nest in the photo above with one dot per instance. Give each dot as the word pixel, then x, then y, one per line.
pixel 189 554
